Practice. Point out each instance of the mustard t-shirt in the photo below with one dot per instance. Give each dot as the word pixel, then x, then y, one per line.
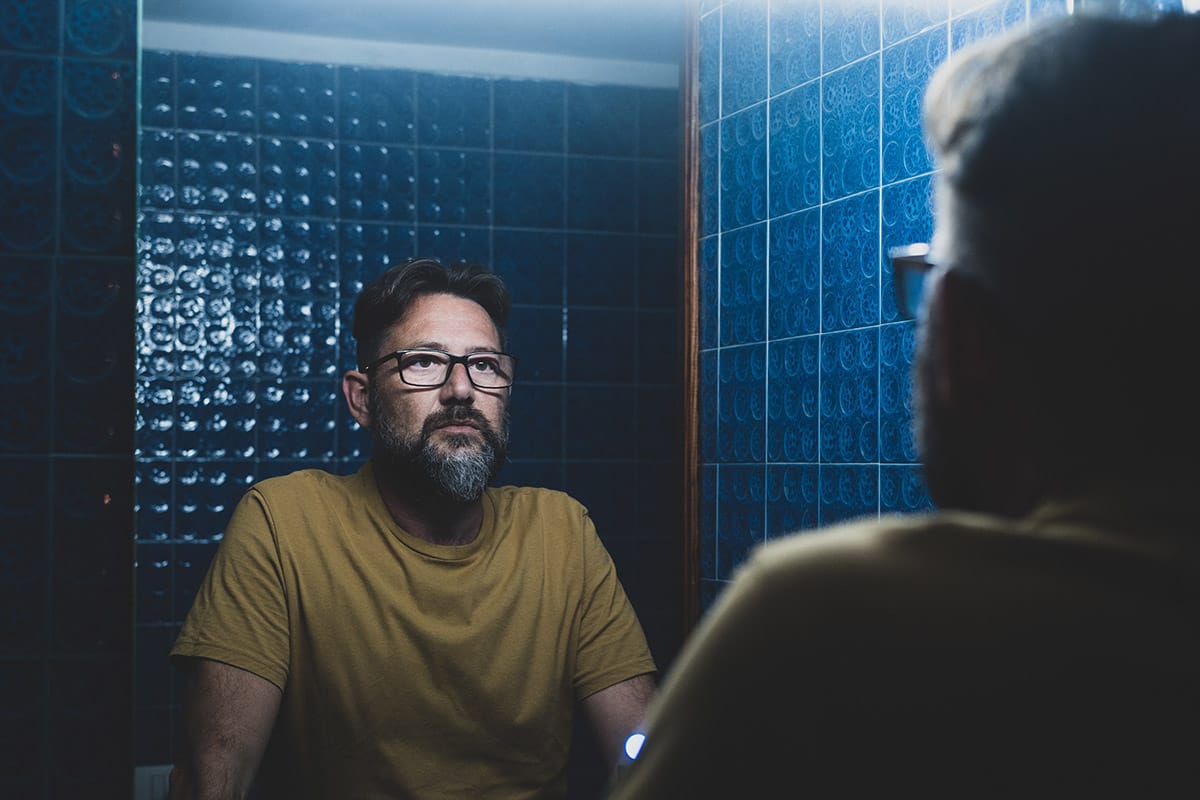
pixel 409 669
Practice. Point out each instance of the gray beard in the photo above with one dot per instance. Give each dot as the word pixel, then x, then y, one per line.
pixel 463 473
pixel 459 474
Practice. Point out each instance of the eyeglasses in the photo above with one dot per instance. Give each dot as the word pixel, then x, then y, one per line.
pixel 910 267
pixel 486 370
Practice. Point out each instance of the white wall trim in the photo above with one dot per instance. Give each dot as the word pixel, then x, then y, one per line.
pixel 254 43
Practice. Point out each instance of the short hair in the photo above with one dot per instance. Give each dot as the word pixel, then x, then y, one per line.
pixel 389 296
pixel 1069 161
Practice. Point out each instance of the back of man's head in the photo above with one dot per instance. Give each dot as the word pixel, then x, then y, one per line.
pixel 1069 160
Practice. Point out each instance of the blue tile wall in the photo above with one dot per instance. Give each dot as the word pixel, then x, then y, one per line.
pixel 272 191
pixel 811 166
pixel 67 206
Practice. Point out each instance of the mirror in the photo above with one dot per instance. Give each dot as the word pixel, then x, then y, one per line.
pixel 290 151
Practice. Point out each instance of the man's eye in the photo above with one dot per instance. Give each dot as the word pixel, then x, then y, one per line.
pixel 484 365
pixel 422 362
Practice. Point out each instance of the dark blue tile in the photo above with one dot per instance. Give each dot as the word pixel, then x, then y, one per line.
pixel 609 491
pixel 795 274
pixel 658 272
pixel 907 68
pixel 377 182
pixel 710 284
pixel 535 337
pixel 158 89
pixel 896 344
pixel 599 421
pixel 709 380
pixel 101 28
pixel 295 419
pixel 531 263
pixel 743 285
pixel 658 197
pixel 598 194
pixel 741 523
pixel 848 492
pixel 744 168
pixel 31 26
pixel 216 93
pixel 545 474
pixel 849 397
pixel 601 345
pixel 849 31
pixel 453 111
pixel 454 187
pixel 743 55
pixel 658 123
pixel 793 498
pixel 153 644
pixel 850 102
pixel 742 404
pixel 659 429
pixel 296 99
pixel 153 600
pixel 377 105
pixel 709 69
pixel 710 179
pixel 529 115
pixel 902 489
pixel 793 378
pixel 795 150
pixel 529 190
pixel 24 343
pixel 658 347
pixel 454 244
pixel 601 269
pixel 537 420
pixel 850 266
pixel 601 120
pixel 707 557
pixel 795 44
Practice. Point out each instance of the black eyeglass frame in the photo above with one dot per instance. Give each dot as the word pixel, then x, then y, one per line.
pixel 910 267
pixel 451 360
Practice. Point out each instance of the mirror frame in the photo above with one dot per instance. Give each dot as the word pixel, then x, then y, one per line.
pixel 689 240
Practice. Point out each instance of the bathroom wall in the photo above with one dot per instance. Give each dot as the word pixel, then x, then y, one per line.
pixel 271 190
pixel 812 166
pixel 67 173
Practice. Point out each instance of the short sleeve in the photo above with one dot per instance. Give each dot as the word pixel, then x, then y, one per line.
pixel 612 645
pixel 239 616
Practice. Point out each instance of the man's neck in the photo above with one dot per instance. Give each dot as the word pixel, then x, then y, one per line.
pixel 423 513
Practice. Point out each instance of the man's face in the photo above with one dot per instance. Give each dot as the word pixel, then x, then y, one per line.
pixel 456 435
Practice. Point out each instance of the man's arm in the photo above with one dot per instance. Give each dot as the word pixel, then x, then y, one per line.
pixel 618 711
pixel 228 715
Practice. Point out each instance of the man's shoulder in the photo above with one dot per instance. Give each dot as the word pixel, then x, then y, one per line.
pixel 307 484
pixel 533 496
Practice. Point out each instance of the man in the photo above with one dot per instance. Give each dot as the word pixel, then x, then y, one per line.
pixel 1039 636
pixel 406 631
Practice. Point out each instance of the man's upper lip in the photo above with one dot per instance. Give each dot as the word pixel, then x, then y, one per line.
pixel 459 423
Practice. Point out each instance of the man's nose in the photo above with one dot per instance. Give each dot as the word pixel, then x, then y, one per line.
pixel 458 384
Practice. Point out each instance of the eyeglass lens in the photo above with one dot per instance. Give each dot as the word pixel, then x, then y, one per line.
pixel 432 368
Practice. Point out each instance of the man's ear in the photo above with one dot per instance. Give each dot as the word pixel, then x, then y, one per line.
pixel 354 389
pixel 968 347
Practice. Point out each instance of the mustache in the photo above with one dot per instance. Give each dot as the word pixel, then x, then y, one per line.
pixel 456 415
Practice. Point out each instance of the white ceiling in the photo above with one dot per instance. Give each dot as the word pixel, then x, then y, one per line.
pixel 633 30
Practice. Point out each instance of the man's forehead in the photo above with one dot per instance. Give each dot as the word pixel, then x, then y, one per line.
pixel 447 320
